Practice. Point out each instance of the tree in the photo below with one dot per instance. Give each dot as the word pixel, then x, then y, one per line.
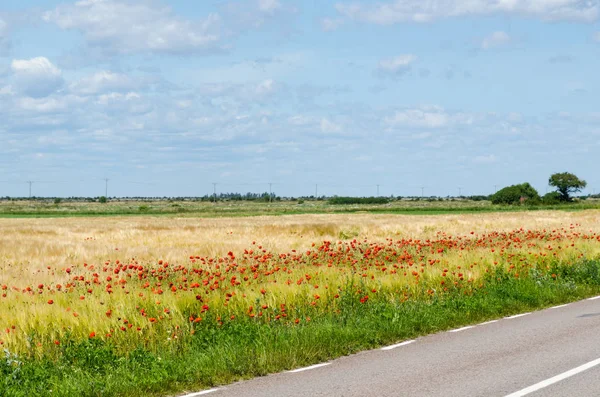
pixel 552 198
pixel 102 199
pixel 516 194
pixel 566 184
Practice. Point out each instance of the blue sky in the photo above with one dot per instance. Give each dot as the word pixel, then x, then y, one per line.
pixel 165 98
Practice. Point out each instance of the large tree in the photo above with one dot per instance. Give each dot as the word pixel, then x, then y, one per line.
pixel 566 184
pixel 516 194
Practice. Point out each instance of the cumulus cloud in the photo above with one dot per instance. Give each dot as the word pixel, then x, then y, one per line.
pixel 36 77
pixel 103 81
pixel 131 27
pixel 496 39
pixel 397 65
pixel 398 11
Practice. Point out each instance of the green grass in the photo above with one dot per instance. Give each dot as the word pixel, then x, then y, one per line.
pixel 244 349
pixel 45 209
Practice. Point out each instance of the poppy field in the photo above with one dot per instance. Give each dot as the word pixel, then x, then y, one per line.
pixel 147 306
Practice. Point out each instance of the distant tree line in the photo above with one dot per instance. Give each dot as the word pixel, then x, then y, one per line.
pixel 358 200
pixel 566 186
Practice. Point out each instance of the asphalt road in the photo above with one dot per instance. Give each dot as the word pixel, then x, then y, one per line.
pixel 526 355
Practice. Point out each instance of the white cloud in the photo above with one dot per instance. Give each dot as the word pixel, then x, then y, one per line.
pixel 129 27
pixel 397 65
pixel 269 6
pixel 329 127
pixel 431 117
pixel 105 99
pixel 6 90
pixel 265 87
pixel 36 77
pixel 496 39
pixel 329 24
pixel 398 11
pixel 52 104
pixel 103 81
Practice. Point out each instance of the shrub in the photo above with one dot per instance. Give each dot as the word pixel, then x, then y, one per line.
pixel 552 198
pixel 516 194
pixel 102 199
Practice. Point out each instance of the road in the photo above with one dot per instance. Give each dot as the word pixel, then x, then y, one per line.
pixel 530 354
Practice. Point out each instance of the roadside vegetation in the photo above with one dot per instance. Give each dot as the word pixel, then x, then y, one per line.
pixel 149 306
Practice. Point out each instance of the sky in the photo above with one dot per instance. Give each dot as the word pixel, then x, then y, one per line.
pixel 346 97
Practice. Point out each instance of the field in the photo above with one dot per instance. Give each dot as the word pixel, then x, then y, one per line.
pixel 151 305
pixel 191 208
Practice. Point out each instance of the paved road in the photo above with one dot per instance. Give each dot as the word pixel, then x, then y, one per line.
pixel 494 359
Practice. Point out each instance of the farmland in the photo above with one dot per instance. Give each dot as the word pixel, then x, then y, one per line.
pixel 156 305
pixel 194 208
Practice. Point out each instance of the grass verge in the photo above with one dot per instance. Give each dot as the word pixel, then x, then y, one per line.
pixel 243 349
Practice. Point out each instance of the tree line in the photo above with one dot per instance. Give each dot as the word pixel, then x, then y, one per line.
pixel 565 183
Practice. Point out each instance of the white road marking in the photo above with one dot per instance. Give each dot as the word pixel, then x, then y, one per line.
pixel 556 307
pixel 516 315
pixel 407 342
pixel 462 329
pixel 201 393
pixel 594 298
pixel 555 379
pixel 311 367
pixel 489 322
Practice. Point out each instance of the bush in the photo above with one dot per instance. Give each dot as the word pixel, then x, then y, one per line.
pixel 516 194
pixel 102 199
pixel 552 198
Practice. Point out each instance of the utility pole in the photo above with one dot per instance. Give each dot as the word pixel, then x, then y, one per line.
pixel 106 187
pixel 30 183
pixel 316 191
pixel 422 191
pixel 377 190
pixel 495 188
pixel 215 192
pixel 459 191
pixel 270 192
